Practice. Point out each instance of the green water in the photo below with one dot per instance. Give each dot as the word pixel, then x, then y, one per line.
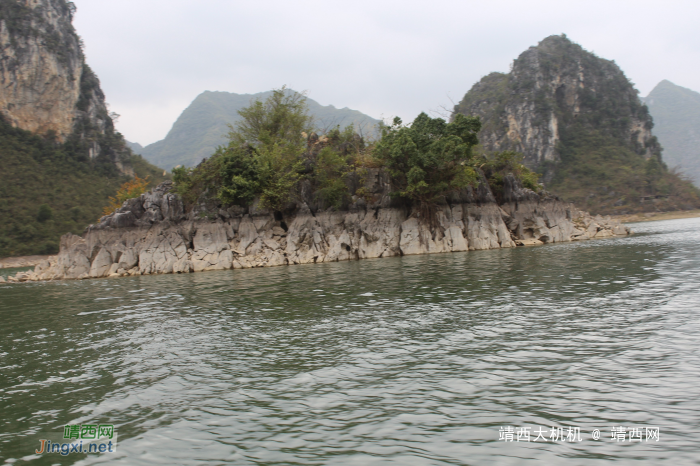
pixel 417 360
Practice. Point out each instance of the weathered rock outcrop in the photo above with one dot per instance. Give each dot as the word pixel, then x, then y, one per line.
pixel 45 85
pixel 551 88
pixel 578 121
pixel 538 219
pixel 154 234
pixel 40 66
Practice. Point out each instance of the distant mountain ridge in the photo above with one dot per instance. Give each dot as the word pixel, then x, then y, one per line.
pixel 135 147
pixel 676 112
pixel 203 126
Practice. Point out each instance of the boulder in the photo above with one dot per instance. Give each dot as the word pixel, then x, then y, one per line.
pixel 101 264
pixel 528 242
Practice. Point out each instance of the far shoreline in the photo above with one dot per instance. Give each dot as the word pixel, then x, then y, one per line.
pixel 654 216
pixel 21 261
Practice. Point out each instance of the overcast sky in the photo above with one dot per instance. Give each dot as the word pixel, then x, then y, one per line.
pixel 384 58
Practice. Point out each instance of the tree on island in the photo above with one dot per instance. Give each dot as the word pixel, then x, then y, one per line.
pixel 429 158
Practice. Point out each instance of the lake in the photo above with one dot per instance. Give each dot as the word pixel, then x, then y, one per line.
pixel 415 360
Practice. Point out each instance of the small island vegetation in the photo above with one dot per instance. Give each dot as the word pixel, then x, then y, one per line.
pixel 274 154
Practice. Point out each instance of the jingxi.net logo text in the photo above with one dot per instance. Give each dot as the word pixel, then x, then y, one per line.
pixel 87 438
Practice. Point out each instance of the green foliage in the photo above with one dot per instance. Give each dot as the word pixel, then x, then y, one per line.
pixel 429 158
pixel 89 83
pixel 599 175
pixel 499 164
pixel 263 157
pixel 279 120
pixel 241 172
pixel 278 172
pixel 331 167
pixel 654 169
pixel 49 189
pixel 271 151
pixel 342 154
pixel 490 96
pixel 191 183
pixel 45 213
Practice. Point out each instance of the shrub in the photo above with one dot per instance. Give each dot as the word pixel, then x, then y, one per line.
pixel 497 165
pixel 128 190
pixel 45 213
pixel 329 172
pixel 36 171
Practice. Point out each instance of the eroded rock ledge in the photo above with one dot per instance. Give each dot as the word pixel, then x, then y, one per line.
pixel 153 234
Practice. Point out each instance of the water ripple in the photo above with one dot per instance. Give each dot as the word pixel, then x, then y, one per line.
pixel 413 360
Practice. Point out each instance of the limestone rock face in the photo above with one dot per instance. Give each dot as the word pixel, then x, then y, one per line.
pixel 41 66
pixel 45 84
pixel 152 234
pixel 550 88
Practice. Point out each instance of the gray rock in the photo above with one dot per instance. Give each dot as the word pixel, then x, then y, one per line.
pixel 101 264
pixel 153 234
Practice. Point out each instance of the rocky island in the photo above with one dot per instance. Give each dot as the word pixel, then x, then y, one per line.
pixel 153 234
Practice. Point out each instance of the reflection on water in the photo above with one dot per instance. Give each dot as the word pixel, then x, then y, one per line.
pixel 415 360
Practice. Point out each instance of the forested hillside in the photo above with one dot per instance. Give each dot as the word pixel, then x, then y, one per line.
pixel 48 189
pixel 60 155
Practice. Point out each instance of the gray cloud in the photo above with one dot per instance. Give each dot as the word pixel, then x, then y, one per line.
pixel 384 58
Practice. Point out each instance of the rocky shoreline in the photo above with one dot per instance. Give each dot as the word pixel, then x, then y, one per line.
pixel 153 234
